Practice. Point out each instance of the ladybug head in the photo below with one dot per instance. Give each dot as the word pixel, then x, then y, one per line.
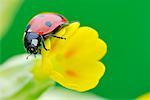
pixel 32 42
pixel 32 49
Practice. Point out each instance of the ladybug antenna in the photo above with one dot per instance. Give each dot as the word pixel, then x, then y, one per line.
pixel 28 56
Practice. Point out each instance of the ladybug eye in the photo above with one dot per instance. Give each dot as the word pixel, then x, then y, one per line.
pixel 49 24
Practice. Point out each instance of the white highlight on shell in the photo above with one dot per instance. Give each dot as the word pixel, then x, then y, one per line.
pixel 29 30
pixel 34 42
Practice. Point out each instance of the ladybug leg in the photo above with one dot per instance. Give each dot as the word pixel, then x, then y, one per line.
pixel 59 28
pixel 59 37
pixel 52 35
pixel 42 39
pixel 65 24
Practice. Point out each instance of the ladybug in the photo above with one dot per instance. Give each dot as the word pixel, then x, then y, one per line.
pixel 39 28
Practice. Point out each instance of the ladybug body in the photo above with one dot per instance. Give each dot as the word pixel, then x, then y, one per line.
pixel 39 28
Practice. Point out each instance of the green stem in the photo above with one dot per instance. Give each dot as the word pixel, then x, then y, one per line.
pixel 32 90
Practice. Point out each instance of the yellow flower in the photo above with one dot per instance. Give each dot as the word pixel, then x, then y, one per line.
pixel 74 62
pixel 144 97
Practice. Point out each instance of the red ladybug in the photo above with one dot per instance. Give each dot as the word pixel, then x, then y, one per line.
pixel 39 28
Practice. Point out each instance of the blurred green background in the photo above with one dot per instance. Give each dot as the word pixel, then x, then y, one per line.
pixel 123 24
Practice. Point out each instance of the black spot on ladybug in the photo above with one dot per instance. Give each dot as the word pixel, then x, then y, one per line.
pixel 49 24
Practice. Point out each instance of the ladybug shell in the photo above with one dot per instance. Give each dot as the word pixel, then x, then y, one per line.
pixel 46 22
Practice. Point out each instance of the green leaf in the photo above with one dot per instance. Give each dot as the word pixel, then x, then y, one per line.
pixel 59 93
pixel 17 81
pixel 32 90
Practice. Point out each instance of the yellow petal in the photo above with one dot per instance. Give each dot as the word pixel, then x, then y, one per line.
pixel 85 44
pixel 46 58
pixel 74 62
pixel 144 97
pixel 76 75
pixel 70 29
pixel 66 32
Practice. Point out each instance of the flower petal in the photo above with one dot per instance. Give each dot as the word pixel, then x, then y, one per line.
pixel 66 32
pixel 79 76
pixel 46 59
pixel 146 96
pixel 85 44
pixel 74 62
